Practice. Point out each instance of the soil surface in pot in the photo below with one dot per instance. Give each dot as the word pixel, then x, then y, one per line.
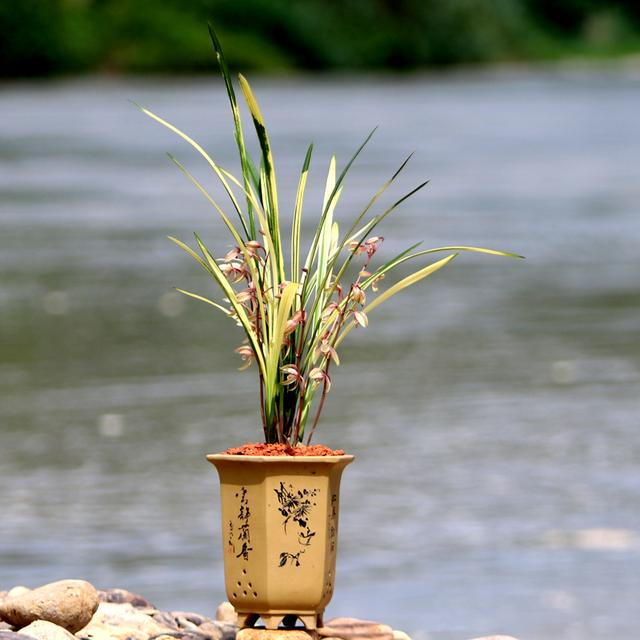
pixel 262 449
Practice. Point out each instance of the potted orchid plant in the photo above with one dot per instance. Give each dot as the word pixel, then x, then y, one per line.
pixel 295 307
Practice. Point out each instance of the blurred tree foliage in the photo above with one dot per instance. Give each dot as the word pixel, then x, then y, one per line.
pixel 39 37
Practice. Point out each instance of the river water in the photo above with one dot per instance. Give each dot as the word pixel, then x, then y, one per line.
pixel 493 410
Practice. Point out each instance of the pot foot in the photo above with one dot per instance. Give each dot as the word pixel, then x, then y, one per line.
pixel 247 620
pixel 311 621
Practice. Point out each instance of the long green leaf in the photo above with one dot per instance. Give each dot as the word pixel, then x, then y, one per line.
pixel 275 342
pixel 237 122
pixel 350 235
pixel 237 307
pixel 207 157
pixel 204 299
pixel 267 158
pixel 297 217
pixel 367 228
pixel 397 287
pixel 406 255
pixel 191 252
pixel 316 238
pixel 205 193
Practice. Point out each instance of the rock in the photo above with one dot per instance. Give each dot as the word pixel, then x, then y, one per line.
pixel 18 591
pixel 228 630
pixel 181 635
pixel 122 596
pixel 186 625
pixel 215 631
pixel 67 603
pixel 496 638
pixel 166 619
pixel 192 618
pixel 100 631
pixel 43 630
pixel 13 635
pixel 276 634
pixel 226 613
pixel 5 626
pixel 352 628
pixel 400 635
pixel 120 621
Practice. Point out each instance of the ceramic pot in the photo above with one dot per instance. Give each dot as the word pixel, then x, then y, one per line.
pixel 279 535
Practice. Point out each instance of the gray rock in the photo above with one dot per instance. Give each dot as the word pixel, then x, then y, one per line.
pixel 229 631
pixel 184 624
pixel 208 630
pixel 13 635
pixel 181 634
pixel 122 596
pixel 165 619
pixel 43 630
pixel 217 631
pixel 68 603
pixel 194 618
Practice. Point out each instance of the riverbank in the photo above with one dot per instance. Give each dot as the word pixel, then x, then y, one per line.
pixel 76 610
pixel 269 35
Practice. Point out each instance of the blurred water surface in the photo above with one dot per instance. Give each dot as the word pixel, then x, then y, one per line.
pixel 493 411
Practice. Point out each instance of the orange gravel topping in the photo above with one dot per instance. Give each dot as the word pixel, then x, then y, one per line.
pixel 262 449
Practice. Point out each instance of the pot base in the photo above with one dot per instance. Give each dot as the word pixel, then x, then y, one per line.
pixel 310 619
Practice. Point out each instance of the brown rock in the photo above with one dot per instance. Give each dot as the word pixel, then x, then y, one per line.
pixel 43 630
pixel 277 634
pixel 226 613
pixel 17 591
pixel 67 603
pixel 400 635
pixel 122 596
pixel 353 628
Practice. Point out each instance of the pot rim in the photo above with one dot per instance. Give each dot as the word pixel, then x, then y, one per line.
pixel 266 459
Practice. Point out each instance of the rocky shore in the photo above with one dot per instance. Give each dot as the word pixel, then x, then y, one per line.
pixel 76 610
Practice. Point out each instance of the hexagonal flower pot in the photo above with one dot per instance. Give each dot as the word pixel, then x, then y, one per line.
pixel 279 535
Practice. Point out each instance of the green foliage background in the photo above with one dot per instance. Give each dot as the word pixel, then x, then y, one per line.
pixel 40 37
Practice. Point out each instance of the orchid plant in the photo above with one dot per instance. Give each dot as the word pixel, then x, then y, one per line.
pixel 296 315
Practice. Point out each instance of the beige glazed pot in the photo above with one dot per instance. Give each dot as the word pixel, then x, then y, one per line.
pixel 279 535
